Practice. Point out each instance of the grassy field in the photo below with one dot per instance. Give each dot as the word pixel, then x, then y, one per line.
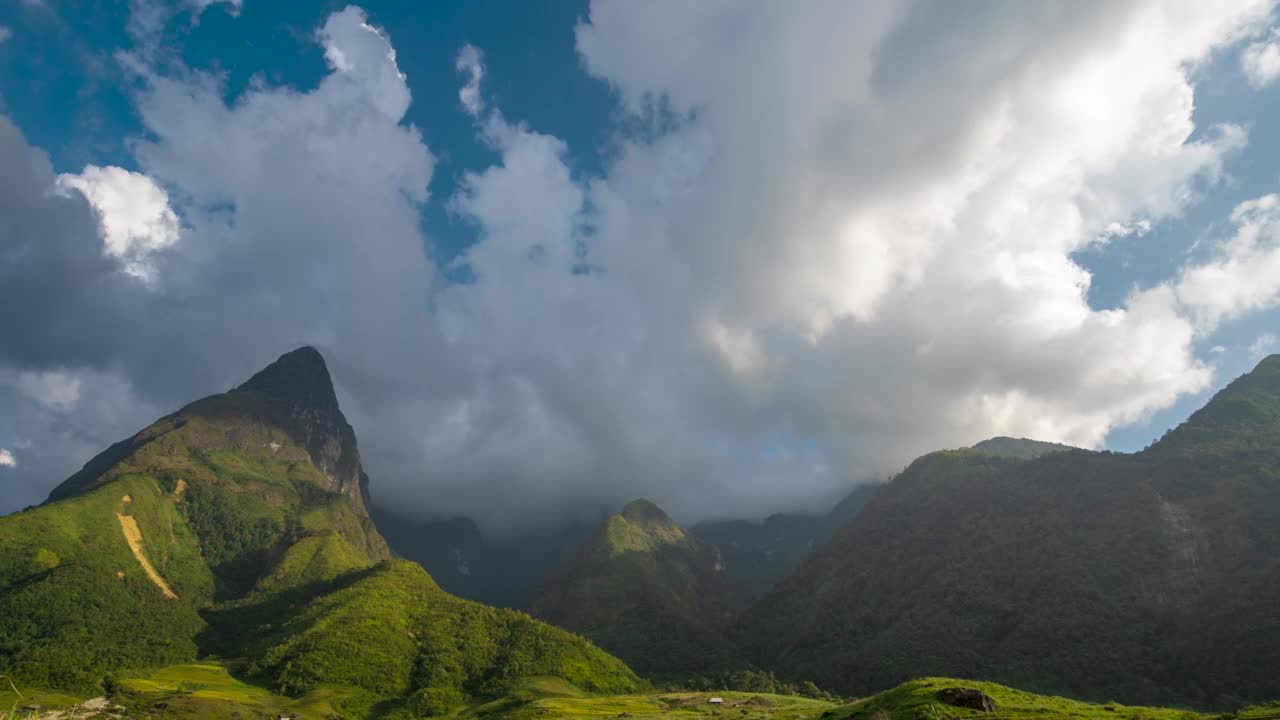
pixel 553 699
pixel 209 692
pixel 15 702
pixel 917 700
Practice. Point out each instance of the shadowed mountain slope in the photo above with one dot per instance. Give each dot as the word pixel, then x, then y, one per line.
pixel 646 590
pixel 1151 577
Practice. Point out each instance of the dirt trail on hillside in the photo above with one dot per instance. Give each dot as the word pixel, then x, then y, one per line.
pixel 133 536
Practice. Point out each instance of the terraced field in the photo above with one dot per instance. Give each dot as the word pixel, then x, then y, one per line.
pixel 208 691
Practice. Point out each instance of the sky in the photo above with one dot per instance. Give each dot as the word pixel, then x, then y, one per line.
pixel 734 257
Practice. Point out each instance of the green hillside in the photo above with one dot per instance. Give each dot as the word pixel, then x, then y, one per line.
pixel 237 528
pixel 649 592
pixel 1148 578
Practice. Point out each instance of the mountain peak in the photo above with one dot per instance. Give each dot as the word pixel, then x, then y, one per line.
pixel 639 571
pixel 294 394
pixel 640 527
pixel 299 377
pixel 1018 448
pixel 642 510
pixel 1245 413
pixel 1269 364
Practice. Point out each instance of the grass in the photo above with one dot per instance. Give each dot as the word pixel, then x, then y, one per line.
pixel 13 701
pixel 207 691
pixel 552 699
pixel 917 700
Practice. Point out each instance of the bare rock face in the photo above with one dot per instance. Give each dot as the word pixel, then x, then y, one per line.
pixel 968 698
pixel 299 382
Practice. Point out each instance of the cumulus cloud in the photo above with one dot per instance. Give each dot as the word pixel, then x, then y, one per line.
pixel 811 262
pixel 1244 274
pixel 893 282
pixel 362 53
pixel 1261 61
pixel 7 459
pixel 133 210
pixel 63 300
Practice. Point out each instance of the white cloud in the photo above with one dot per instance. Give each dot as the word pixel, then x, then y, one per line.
pixel 1261 61
pixel 7 459
pixel 133 210
pixel 1244 274
pixel 888 219
pixel 469 62
pixel 5 33
pixel 815 260
pixel 363 54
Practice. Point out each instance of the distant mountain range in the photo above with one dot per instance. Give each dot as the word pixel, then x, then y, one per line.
pixel 469 565
pixel 755 554
pixel 758 554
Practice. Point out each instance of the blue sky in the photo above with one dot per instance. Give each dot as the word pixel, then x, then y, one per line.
pixel 684 252
pixel 61 84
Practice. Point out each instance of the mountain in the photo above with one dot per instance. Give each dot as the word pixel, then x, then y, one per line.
pixel 1145 577
pixel 1018 448
pixel 646 590
pixel 469 565
pixel 757 554
pixel 237 528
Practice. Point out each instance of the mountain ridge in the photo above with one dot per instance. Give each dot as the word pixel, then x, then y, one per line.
pixel 1149 576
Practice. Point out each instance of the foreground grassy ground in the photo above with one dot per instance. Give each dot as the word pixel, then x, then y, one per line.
pixel 551 698
pixel 201 691
pixel 917 700
pixel 209 692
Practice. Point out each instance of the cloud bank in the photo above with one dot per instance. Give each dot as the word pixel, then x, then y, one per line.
pixel 839 238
